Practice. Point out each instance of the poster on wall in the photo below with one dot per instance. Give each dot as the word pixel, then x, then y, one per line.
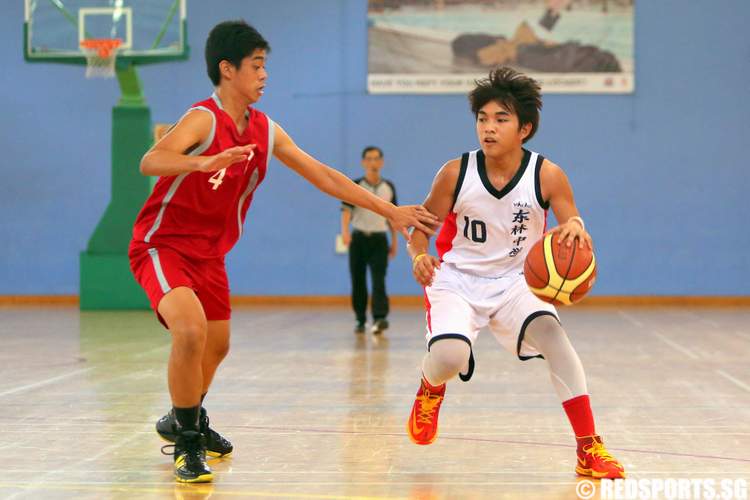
pixel 442 46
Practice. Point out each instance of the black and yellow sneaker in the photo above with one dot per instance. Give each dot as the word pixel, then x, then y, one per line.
pixel 216 445
pixel 190 458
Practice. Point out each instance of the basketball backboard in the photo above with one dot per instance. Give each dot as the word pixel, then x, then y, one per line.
pixel 150 30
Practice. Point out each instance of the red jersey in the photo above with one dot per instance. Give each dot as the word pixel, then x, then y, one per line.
pixel 200 214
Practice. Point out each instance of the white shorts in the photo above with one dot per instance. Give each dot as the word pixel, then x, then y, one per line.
pixel 460 304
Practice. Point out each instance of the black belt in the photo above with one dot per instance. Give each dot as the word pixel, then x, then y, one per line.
pixel 369 233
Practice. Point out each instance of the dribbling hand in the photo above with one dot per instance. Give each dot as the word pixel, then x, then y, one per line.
pixel 570 231
pixel 226 158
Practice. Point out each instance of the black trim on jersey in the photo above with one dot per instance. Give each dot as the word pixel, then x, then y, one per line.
pixel 526 323
pixel 537 182
pixel 460 180
pixel 393 191
pixel 482 168
pixel 464 377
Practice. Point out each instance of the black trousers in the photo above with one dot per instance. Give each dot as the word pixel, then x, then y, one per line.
pixel 368 250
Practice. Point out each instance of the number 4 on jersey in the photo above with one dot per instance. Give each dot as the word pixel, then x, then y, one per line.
pixel 218 178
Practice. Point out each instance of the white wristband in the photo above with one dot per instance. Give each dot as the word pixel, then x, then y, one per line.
pixel 578 220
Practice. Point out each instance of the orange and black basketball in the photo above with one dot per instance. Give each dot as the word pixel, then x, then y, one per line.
pixel 559 274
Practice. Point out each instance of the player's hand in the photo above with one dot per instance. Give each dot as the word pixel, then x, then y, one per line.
pixel 416 216
pixel 423 267
pixel 226 158
pixel 394 249
pixel 346 238
pixel 570 231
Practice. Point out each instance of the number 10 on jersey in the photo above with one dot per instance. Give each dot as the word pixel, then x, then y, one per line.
pixel 478 230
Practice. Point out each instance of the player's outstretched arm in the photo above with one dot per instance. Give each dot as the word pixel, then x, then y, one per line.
pixel 346 218
pixel 336 184
pixel 393 249
pixel 440 203
pixel 556 189
pixel 168 156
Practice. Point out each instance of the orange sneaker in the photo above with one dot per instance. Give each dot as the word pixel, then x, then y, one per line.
pixel 423 420
pixel 595 461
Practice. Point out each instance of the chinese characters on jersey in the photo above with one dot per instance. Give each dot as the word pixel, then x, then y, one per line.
pixel 520 215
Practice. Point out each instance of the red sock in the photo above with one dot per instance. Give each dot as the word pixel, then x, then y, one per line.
pixel 579 413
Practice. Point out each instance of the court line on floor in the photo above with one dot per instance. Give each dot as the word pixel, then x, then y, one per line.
pixel 658 335
pixel 739 383
pixel 497 441
pixel 119 487
pixel 443 473
pixel 195 489
pixel 700 319
pixel 631 319
pixel 49 420
pixel 40 481
pixel 143 354
pixel 674 345
pixel 116 430
pixel 42 383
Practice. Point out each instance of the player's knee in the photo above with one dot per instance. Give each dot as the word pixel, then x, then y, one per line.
pixel 451 355
pixel 190 336
pixel 543 330
pixel 545 325
pixel 220 351
pixel 545 334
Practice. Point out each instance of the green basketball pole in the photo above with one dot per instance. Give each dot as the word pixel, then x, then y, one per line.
pixel 106 280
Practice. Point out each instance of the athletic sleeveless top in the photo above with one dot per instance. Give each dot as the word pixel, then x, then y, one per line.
pixel 489 232
pixel 200 214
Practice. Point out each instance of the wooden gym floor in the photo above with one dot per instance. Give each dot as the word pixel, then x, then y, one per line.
pixel 315 412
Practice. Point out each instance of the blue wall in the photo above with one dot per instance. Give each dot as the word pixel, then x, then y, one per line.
pixel 660 176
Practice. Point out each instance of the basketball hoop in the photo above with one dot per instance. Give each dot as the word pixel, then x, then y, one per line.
pixel 101 54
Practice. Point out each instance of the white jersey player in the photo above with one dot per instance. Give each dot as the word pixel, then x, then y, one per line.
pixel 494 203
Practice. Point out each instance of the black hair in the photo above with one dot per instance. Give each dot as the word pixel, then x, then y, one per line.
pixel 514 90
pixel 371 148
pixel 231 41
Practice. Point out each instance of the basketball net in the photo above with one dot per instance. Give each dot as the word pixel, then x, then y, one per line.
pixel 101 54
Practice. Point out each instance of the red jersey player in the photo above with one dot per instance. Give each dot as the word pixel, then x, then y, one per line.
pixel 209 166
pixel 494 202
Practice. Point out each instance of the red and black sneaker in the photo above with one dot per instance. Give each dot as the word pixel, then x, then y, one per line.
pixel 595 461
pixel 423 420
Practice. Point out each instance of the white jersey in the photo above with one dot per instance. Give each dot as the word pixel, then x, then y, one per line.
pixel 489 232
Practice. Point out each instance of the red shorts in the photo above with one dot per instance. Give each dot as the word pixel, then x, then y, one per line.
pixel 160 269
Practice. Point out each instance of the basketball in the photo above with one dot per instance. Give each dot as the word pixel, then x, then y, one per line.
pixel 559 274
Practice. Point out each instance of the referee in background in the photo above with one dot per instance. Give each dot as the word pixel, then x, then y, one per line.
pixel 368 244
